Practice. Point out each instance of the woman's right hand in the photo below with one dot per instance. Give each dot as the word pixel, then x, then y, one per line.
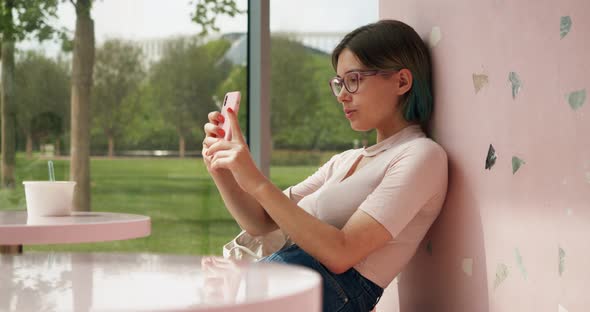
pixel 213 133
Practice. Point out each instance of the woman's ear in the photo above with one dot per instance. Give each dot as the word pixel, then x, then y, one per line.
pixel 404 81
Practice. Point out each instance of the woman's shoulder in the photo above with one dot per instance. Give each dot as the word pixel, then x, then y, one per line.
pixel 424 148
pixel 430 145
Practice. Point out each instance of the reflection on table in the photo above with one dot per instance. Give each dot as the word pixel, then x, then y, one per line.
pixel 142 282
pixel 17 229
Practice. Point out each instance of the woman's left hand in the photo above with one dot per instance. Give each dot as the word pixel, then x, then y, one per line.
pixel 235 156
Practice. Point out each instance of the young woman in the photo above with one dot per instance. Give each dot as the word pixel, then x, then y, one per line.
pixel 359 219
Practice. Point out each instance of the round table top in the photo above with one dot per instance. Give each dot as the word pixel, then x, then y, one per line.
pixel 79 227
pixel 154 282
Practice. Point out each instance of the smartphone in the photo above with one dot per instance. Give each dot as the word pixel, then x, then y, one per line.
pixel 231 100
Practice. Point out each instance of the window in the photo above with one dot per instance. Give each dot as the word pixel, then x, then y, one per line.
pixel 155 81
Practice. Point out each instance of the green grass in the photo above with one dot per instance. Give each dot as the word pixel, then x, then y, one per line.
pixel 187 213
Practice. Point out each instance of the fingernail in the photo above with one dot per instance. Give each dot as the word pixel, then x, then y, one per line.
pixel 221 132
pixel 220 118
pixel 230 110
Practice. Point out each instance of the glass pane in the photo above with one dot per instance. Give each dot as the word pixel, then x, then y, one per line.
pixel 307 123
pixel 155 81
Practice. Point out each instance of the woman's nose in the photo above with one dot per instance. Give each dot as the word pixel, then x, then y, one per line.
pixel 344 96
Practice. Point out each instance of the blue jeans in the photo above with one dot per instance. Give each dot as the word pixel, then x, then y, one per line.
pixel 349 291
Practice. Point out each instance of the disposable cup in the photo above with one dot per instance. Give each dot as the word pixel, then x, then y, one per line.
pixel 49 198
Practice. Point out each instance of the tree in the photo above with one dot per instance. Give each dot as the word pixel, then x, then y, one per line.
pixel 82 68
pixel 117 74
pixel 294 94
pixel 147 129
pixel 207 11
pixel 18 19
pixel 42 93
pixel 184 82
pixel 304 113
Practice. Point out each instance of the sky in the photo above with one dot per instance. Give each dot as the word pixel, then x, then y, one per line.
pixel 151 19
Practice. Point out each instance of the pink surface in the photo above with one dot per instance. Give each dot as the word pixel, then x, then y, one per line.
pixel 151 282
pixel 80 227
pixel 502 236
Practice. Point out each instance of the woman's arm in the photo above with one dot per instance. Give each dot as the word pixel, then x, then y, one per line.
pixel 338 250
pixel 247 212
pixel 241 205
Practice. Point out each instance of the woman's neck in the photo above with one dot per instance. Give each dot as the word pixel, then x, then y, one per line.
pixel 394 128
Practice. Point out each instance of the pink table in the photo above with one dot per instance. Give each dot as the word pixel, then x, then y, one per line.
pixel 153 282
pixel 81 227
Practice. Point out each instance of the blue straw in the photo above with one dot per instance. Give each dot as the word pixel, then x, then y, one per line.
pixel 51 172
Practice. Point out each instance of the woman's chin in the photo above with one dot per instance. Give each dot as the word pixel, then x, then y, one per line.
pixel 358 127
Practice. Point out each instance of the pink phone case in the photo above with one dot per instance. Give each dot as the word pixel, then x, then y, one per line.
pixel 231 100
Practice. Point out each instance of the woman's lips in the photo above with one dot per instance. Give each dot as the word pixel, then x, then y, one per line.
pixel 349 113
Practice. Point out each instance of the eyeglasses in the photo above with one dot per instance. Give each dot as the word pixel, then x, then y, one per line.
pixel 351 80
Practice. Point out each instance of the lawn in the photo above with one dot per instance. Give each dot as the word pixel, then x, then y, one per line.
pixel 187 213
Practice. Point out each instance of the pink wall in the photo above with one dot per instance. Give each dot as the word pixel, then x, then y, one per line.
pixel 506 241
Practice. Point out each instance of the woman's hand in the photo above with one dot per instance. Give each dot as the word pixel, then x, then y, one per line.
pixel 232 155
pixel 213 133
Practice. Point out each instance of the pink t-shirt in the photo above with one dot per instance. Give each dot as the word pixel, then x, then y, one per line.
pixel 402 186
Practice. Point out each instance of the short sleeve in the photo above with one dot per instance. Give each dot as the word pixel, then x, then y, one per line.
pixel 419 175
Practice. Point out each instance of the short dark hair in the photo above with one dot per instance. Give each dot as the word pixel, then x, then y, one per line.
pixel 391 44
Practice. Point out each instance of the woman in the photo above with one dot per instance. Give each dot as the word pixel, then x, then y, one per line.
pixel 359 219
